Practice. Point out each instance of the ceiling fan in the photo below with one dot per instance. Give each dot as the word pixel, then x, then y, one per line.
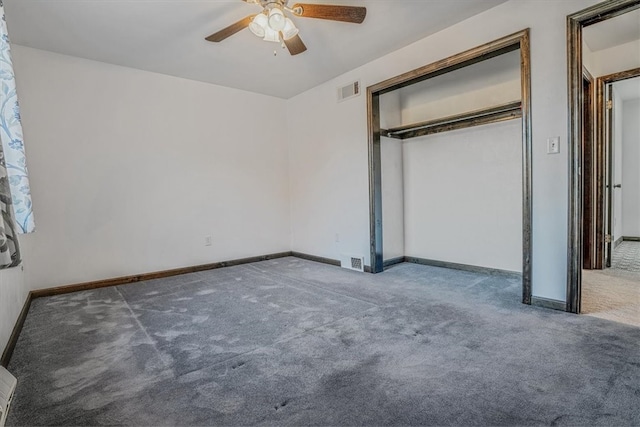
pixel 273 25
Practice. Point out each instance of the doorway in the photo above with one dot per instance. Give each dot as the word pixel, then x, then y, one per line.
pixel 595 158
pixel 612 291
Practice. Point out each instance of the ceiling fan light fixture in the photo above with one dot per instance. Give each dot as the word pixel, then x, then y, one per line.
pixel 271 35
pixel 258 25
pixel 277 20
pixel 289 29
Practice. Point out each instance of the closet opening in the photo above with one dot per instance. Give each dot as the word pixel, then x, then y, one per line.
pixel 429 179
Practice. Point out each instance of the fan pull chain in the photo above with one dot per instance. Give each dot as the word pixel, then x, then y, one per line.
pixel 275 52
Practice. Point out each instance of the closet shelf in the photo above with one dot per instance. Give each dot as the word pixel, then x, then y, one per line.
pixel 511 110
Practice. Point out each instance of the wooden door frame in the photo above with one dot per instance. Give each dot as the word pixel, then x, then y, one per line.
pixel 608 145
pixel 589 177
pixel 605 142
pixel 513 42
pixel 575 23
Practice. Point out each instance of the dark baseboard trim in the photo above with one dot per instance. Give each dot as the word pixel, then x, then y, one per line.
pixel 174 272
pixel 630 239
pixel 148 276
pixel 464 267
pixel 617 242
pixel 553 304
pixel 393 261
pixel 315 258
pixel 17 328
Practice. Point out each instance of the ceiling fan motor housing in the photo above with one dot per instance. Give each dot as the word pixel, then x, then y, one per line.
pixel 269 4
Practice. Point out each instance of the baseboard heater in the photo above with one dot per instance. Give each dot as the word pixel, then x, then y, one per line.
pixel 7 387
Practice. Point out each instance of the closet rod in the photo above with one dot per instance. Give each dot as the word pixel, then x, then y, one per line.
pixel 508 111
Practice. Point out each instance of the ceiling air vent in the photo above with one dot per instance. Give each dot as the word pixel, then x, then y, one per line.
pixel 352 263
pixel 349 91
pixel 7 387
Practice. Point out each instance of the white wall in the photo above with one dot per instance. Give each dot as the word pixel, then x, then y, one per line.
pixel 328 149
pixel 588 60
pixel 615 59
pixel 631 168
pixel 328 167
pixel 463 196
pixel 130 170
pixel 612 60
pixel 392 179
pixel 485 84
pixel 463 189
pixel 13 294
pixel 393 221
pixel 618 167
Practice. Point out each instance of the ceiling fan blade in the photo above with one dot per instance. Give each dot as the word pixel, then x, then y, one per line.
pixel 230 30
pixel 354 14
pixel 295 45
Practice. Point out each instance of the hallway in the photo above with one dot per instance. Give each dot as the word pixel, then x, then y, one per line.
pixel 614 293
pixel 626 257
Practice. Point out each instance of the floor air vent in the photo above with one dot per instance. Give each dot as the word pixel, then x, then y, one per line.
pixel 353 263
pixel 7 387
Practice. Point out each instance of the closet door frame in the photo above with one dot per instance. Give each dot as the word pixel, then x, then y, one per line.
pixel 517 41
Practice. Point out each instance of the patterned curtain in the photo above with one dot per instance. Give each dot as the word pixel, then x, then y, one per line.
pixel 9 247
pixel 15 194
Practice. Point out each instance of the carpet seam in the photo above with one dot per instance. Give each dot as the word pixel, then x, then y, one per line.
pixel 304 282
pixel 144 330
pixel 179 288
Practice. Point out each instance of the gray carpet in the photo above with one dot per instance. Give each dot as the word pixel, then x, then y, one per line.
pixel 292 342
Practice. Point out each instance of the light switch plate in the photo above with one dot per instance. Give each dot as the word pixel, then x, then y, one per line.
pixel 553 145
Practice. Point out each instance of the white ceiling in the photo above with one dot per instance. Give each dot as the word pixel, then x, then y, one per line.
pixel 628 89
pixel 613 32
pixel 167 36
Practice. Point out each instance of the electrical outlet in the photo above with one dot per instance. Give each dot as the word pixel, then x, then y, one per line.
pixel 337 238
pixel 553 145
pixel 207 240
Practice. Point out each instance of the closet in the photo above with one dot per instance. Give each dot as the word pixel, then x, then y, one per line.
pixel 450 153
